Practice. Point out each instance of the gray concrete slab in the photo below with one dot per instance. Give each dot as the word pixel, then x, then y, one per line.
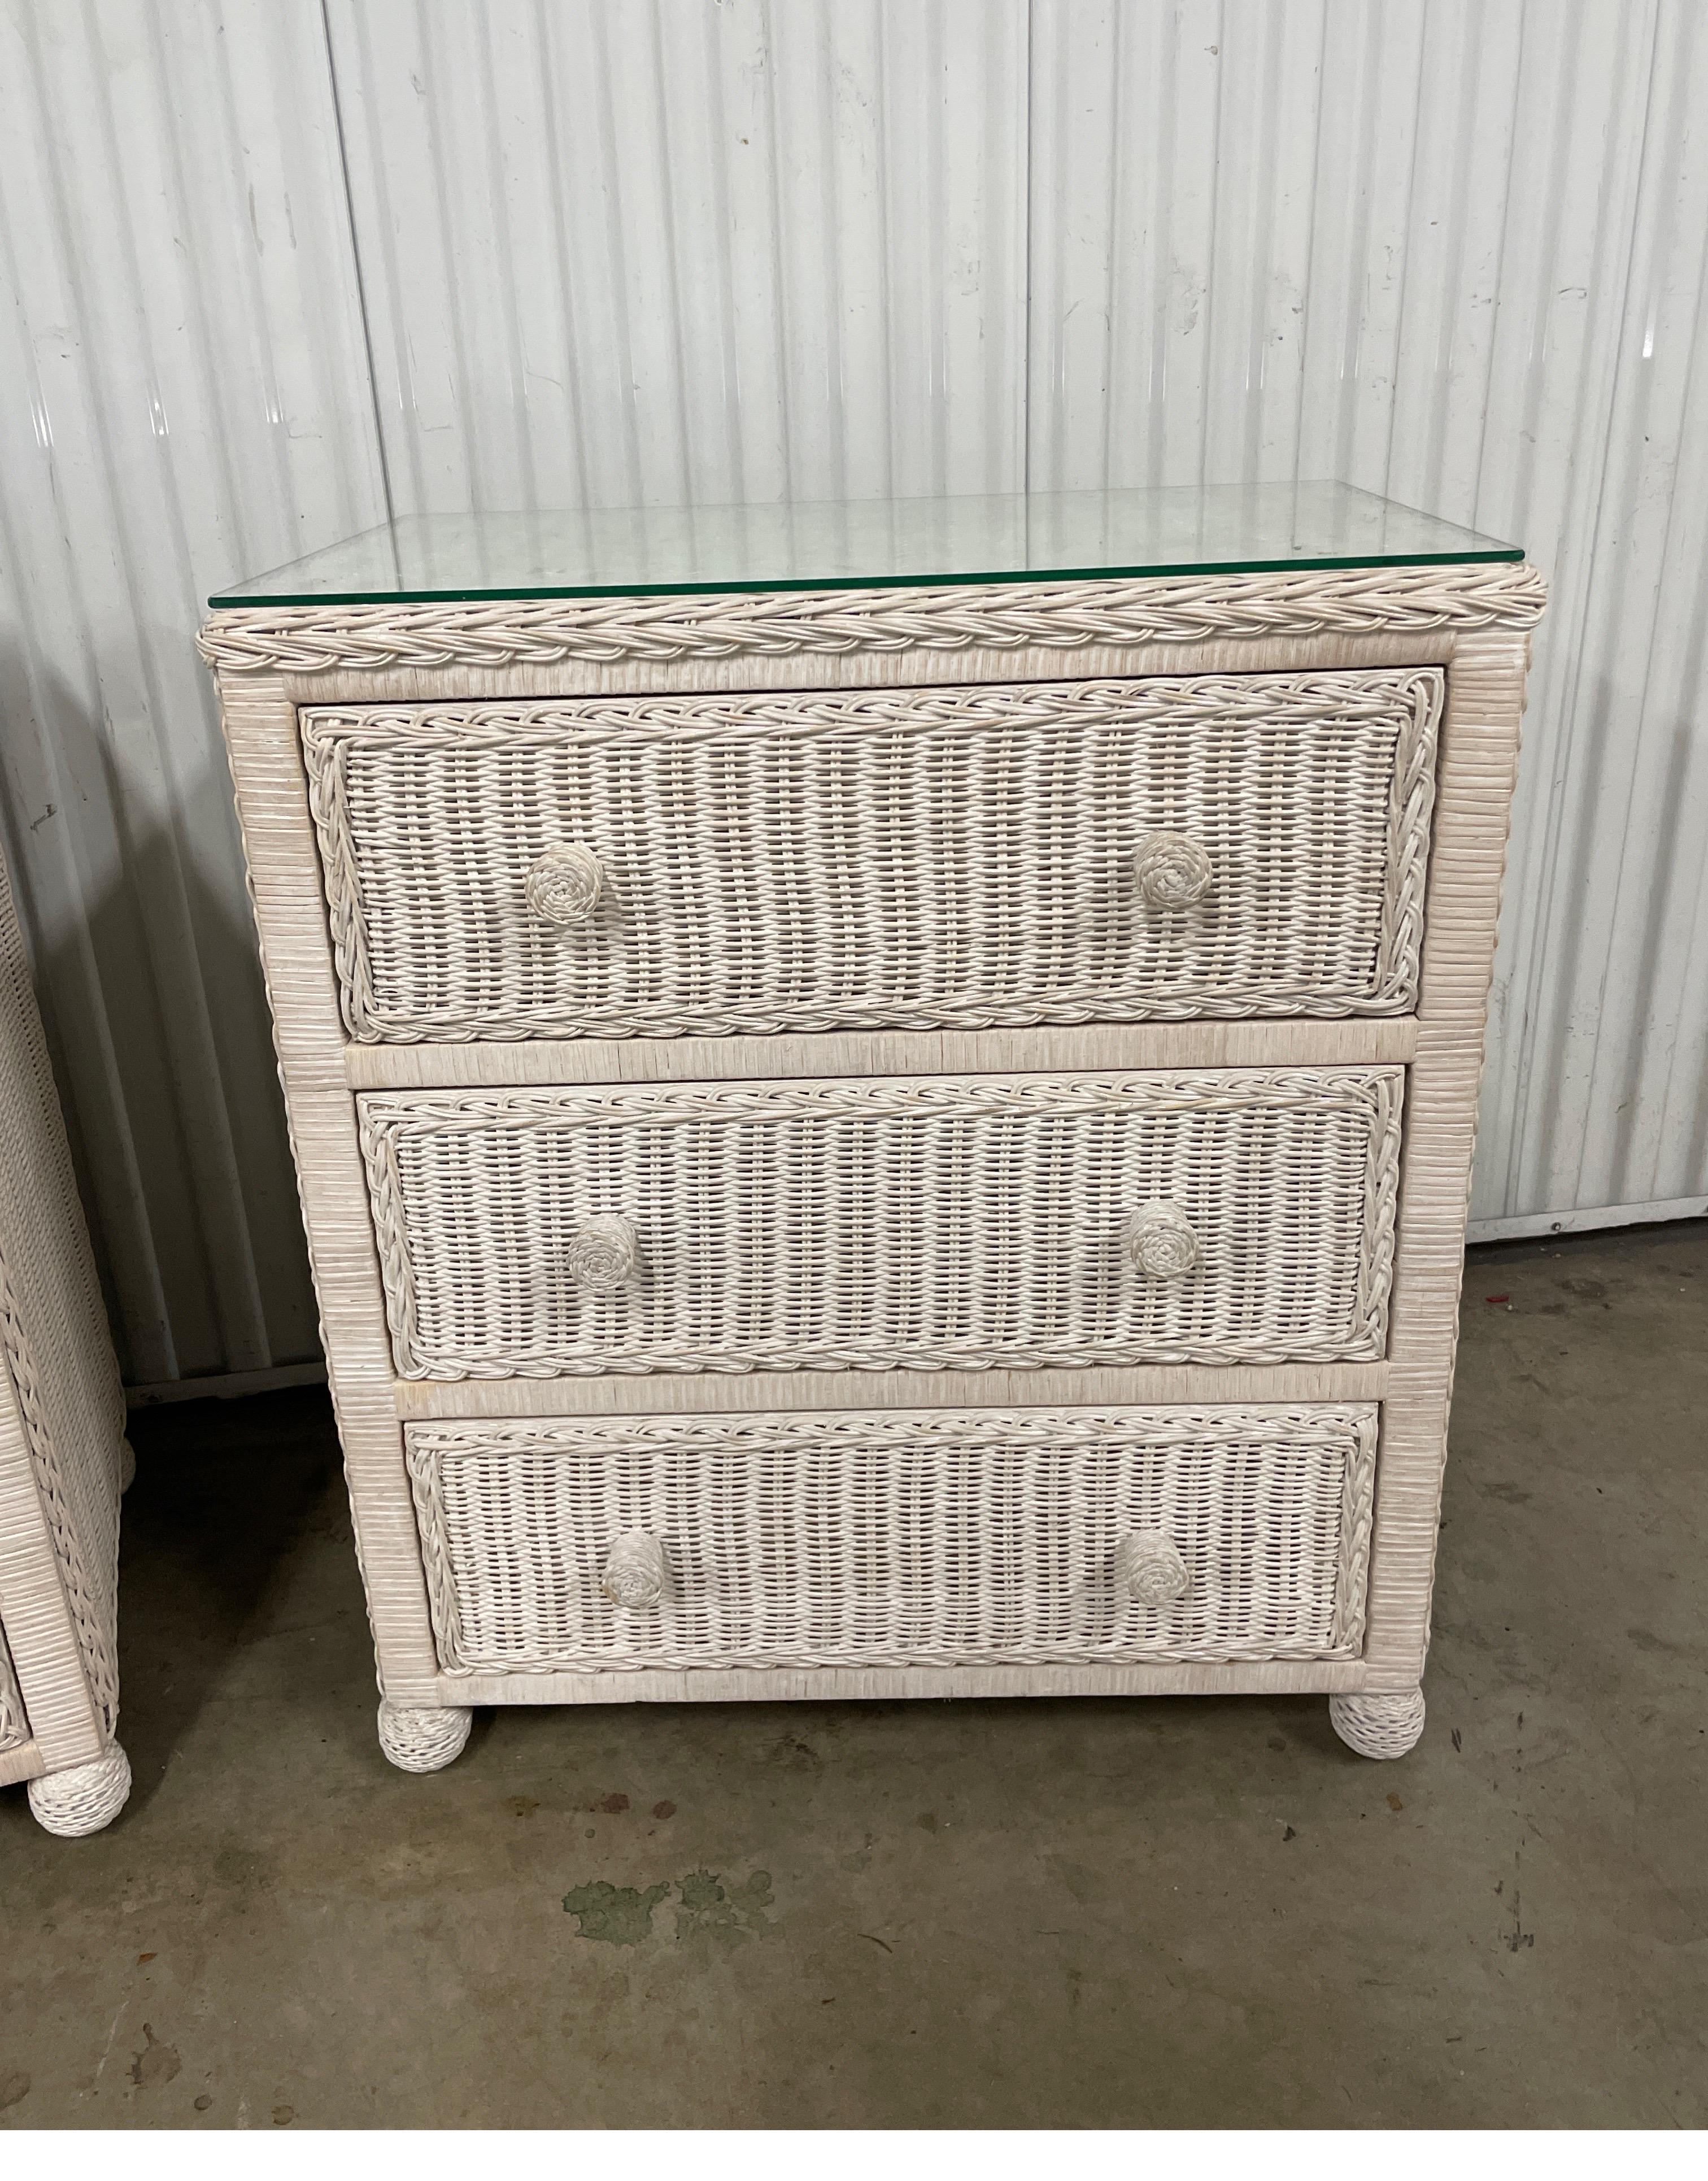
pixel 997 1915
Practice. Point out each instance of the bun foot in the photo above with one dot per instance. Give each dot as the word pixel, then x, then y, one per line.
pixel 422 1737
pixel 84 1799
pixel 1385 1726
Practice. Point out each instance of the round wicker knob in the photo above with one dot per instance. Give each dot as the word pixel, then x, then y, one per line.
pixel 1149 1567
pixel 604 1254
pixel 1173 870
pixel 564 888
pixel 635 1573
pixel 1160 1240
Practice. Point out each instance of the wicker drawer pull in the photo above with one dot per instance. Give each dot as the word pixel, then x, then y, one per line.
pixel 635 1573
pixel 1149 1567
pixel 564 888
pixel 1160 1240
pixel 604 1254
pixel 1173 870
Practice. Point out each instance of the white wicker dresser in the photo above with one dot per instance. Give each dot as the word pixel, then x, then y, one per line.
pixel 63 1456
pixel 884 1096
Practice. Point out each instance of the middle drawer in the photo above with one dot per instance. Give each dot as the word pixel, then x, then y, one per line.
pixel 963 1223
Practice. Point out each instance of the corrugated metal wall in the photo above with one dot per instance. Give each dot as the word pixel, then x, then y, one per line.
pixel 270 269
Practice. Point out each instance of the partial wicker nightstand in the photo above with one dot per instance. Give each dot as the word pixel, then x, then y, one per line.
pixel 63 1456
pixel 884 1096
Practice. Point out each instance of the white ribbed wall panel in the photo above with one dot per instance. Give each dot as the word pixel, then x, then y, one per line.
pixel 623 252
pixel 270 269
pixel 184 392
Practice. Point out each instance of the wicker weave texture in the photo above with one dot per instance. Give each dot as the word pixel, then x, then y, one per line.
pixel 54 1341
pixel 929 1538
pixel 916 858
pixel 935 1223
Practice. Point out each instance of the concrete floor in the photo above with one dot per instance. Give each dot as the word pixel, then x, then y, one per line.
pixel 1172 1913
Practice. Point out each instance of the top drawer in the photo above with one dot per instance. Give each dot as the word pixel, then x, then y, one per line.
pixel 1044 853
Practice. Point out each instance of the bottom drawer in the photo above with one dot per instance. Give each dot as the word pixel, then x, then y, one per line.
pixel 924 1538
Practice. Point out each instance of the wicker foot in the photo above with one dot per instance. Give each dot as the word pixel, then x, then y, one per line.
pixel 1379 1725
pixel 424 1738
pixel 127 1465
pixel 85 1798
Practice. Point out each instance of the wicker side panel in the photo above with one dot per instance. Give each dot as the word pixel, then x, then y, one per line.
pixel 922 1538
pixel 14 1720
pixel 937 1223
pixel 916 858
pixel 54 1340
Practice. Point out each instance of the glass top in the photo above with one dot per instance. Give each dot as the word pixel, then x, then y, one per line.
pixel 1011 537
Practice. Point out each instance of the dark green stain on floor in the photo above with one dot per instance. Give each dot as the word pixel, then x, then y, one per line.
pixel 616 1915
pixel 707 1906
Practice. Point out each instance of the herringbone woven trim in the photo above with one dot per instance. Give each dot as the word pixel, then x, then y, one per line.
pixel 1010 818
pixel 999 617
pixel 987 1535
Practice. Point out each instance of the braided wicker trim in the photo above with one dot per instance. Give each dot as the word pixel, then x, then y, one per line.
pixel 1376 1093
pixel 1410 699
pixel 428 1446
pixel 999 616
pixel 1232 1090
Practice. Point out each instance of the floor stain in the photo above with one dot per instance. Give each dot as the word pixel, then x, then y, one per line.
pixel 617 1915
pixel 707 1905
pixel 730 1912
pixel 14 2089
pixel 155 2063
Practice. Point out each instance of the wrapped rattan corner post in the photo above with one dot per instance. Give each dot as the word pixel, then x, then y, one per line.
pixel 900 1142
pixel 63 1457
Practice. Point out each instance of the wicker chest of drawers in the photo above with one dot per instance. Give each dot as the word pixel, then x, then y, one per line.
pixel 866 1129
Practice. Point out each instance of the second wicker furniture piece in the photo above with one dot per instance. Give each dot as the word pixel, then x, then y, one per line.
pixel 63 1456
pixel 875 1117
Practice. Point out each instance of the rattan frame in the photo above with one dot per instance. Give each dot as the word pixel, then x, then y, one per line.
pixel 1475 620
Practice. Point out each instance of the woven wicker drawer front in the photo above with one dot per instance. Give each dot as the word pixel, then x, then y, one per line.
pixel 1099 850
pixel 927 1537
pixel 938 1223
